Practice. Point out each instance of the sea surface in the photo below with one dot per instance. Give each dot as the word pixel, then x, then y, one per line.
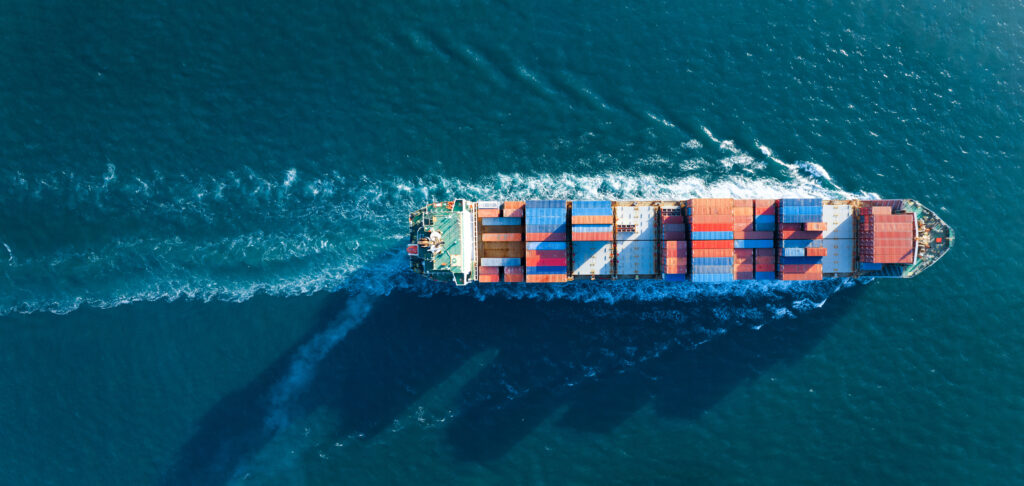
pixel 203 210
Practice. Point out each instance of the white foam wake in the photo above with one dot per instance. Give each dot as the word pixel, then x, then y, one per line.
pixel 298 233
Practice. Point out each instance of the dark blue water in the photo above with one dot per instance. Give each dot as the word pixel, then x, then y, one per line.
pixel 202 208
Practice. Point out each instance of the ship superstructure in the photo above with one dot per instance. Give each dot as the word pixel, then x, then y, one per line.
pixel 696 240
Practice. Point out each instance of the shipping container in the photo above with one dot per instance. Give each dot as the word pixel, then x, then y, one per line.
pixel 802 243
pixel 635 223
pixel 712 244
pixel 636 257
pixel 540 278
pixel 674 277
pixel 712 253
pixel 500 262
pixel 549 245
pixel 490 270
pixel 815 226
pixel 488 205
pixel 711 235
pixel 488 213
pixel 592 257
pixel 576 219
pixel 793 252
pixel 764 275
pixel 513 213
pixel 551 237
pixel 816 252
pixel 767 252
pixel 513 270
pixel 502 237
pixel 753 243
pixel 744 275
pixel 488 278
pixel 513 277
pixel 547 270
pixel 753 235
pixel 712 278
pixel 799 260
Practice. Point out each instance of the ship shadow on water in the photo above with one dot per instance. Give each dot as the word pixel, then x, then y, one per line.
pixel 594 365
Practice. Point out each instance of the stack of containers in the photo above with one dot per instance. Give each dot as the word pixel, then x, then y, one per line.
pixel 764 255
pixel 592 236
pixel 545 241
pixel 501 234
pixel 746 239
pixel 802 228
pixel 636 239
pixel 885 237
pixel 673 243
pixel 592 221
pixel 711 236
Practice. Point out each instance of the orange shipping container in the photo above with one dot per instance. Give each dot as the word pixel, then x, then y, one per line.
pixel 502 237
pixel 488 278
pixel 814 226
pixel 489 270
pixel 816 251
pixel 534 278
pixel 593 219
pixel 488 213
pixel 513 277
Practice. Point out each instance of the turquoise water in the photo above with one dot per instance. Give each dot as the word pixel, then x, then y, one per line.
pixel 203 207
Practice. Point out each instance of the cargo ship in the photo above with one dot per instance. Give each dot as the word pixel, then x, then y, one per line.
pixel 693 240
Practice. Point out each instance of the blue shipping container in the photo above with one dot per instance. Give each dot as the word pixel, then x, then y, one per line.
pixel 500 262
pixel 547 270
pixel 674 277
pixel 545 245
pixel 803 243
pixel 870 266
pixel 712 261
pixel 712 277
pixel 753 243
pixel 501 221
pixel 711 235
pixel 700 269
pixel 794 252
pixel 545 228
pixel 591 228
pixel 805 260
pixel 764 275
pixel 765 219
pixel 545 203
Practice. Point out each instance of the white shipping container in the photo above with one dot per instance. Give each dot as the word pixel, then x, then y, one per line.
pixel 840 256
pixel 640 218
pixel 839 221
pixel 488 205
pixel 635 257
pixel 591 258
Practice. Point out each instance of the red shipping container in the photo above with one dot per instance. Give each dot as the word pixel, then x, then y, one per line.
pixel 488 278
pixel 606 236
pixel 744 267
pixel 711 218
pixel 712 244
pixel 593 219
pixel 514 213
pixel 674 253
pixel 674 244
pixel 716 253
pixel 764 203
pixel 545 262
pixel 711 227
pixel 513 277
pixel 514 270
pixel 546 253
pixel 534 278
pixel 545 236
pixel 764 267
pixel 488 213
pixel 744 252
pixel 676 219
pixel 513 205
pixel 753 235
pixel 816 251
pixel 489 270
pixel 502 237
pixel 791 226
pixel 744 275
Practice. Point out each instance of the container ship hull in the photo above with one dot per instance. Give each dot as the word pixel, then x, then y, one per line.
pixel 694 240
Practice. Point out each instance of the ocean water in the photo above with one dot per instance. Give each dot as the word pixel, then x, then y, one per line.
pixel 202 210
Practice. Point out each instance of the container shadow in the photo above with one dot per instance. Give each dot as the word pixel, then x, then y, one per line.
pixel 594 364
